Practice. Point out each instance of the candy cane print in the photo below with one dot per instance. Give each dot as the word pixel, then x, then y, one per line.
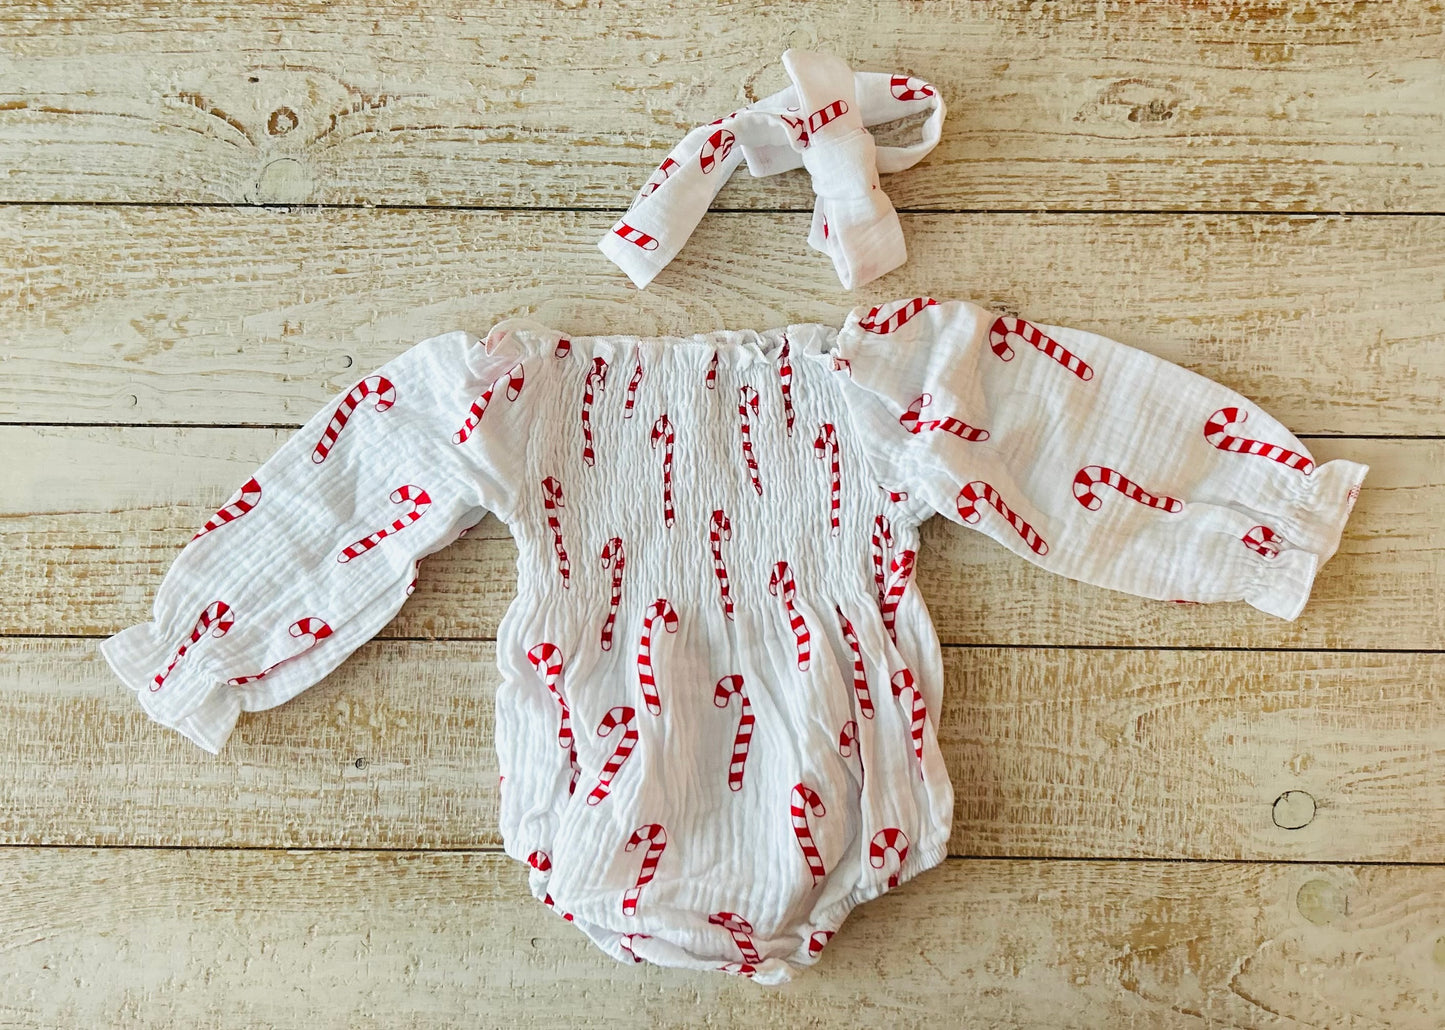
pixel 805 797
pixel 551 501
pixel 722 693
pixel 216 619
pixel 636 237
pixel 516 378
pixel 860 674
pixel 783 577
pixel 596 380
pixel 825 115
pixel 818 941
pixel 659 609
pixel 871 323
pixel 737 969
pixel 978 490
pixel 1262 540
pixel 748 398
pixel 910 421
pixel 825 444
pixel 563 348
pixel 420 501
pixel 1221 420
pixel 378 387
pixel 614 558
pixel 1091 476
pixel 718 146
pixel 720 528
pixel 742 932
pixel 900 569
pixel 894 495
pixel 630 401
pixel 903 680
pixel 882 537
pixel 658 177
pixel 241 502
pixel 625 717
pixel 655 837
pixel 1005 327
pixel 662 430
pixel 546 658
pixel 888 839
pixel 626 943
pixel 710 380
pixel 785 385
pixel 848 739
pixel 540 861
pixel 843 365
pixel 905 87
pixel 316 629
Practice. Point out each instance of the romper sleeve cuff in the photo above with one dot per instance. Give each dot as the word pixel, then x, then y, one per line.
pixel 1310 535
pixel 208 710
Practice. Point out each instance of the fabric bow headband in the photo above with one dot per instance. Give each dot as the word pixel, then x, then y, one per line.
pixel 818 124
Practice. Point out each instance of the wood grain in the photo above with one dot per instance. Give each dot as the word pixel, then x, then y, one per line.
pixel 399 938
pixel 223 316
pixel 95 516
pixel 1305 756
pixel 1320 105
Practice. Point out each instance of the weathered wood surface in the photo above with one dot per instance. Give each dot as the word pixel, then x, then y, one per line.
pixel 1306 105
pixel 1052 752
pixel 95 516
pixel 407 939
pixel 230 316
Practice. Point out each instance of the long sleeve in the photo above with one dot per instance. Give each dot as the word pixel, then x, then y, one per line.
pixel 1090 458
pixel 317 551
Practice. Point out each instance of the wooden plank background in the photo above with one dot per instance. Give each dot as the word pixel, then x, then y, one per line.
pixel 214 217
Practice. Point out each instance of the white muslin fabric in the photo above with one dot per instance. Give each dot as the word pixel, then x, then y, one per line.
pixel 719 686
pixel 817 123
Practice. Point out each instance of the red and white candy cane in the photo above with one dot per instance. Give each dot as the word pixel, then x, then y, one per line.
pixel 899 571
pixel 738 969
pixel 906 87
pixel 625 717
pixel 596 380
pixel 662 431
pixel 860 673
pixel 216 619
pixel 628 939
pixel 1005 327
pixel 882 538
pixel 876 322
pixel 718 146
pixel 657 178
pixel 630 401
pixel 748 398
pixel 785 384
pixel 646 678
pixel 563 348
pixel 782 577
pixel 636 237
pixel 546 658
pixel 903 680
pixel 892 839
pixel 911 421
pixel 722 693
pixel 978 490
pixel 848 739
pixel 378 387
pixel 419 500
pixel 824 445
pixel 614 558
pixel 824 115
pixel 710 380
pixel 1215 432
pixel 720 528
pixel 1090 476
pixel 540 861
pixel 1263 541
pixel 655 837
pixel 742 932
pixel 552 500
pixel 804 798
pixel 818 941
pixel 894 495
pixel 516 378
pixel 242 501
pixel 316 629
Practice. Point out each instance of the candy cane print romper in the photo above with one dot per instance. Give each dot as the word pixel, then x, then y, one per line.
pixel 719 684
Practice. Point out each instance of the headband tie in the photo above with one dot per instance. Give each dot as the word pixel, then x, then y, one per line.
pixel 817 123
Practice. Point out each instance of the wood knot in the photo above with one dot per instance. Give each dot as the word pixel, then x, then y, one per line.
pixel 1148 103
pixel 1294 810
pixel 282 121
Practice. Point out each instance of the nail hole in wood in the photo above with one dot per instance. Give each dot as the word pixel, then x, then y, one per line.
pixel 1294 810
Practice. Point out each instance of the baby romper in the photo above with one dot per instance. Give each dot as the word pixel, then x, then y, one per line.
pixel 719 686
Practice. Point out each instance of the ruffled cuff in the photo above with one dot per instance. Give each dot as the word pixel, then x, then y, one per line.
pixel 209 710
